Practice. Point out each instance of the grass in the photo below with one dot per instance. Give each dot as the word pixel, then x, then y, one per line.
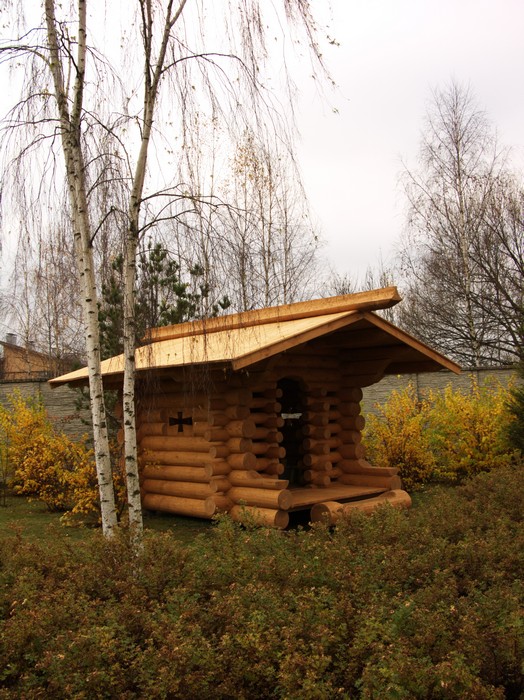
pixel 32 520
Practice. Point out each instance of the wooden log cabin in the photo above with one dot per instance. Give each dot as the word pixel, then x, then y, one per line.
pixel 258 413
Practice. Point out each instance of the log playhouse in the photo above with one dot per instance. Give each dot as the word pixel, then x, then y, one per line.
pixel 258 413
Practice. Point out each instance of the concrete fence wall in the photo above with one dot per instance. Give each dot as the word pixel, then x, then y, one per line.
pixel 60 404
pixel 378 393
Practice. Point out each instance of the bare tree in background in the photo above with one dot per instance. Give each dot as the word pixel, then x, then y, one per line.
pixel 268 244
pixel 447 251
pixel 101 118
pixel 43 300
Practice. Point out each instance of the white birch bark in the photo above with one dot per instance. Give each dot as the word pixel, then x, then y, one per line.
pixel 70 125
pixel 152 76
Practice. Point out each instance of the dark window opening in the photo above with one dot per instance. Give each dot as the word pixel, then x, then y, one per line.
pixel 293 407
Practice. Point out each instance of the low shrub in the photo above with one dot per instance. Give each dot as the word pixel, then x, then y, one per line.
pixel 396 436
pixel 469 431
pixel 445 437
pixel 47 465
pixel 419 604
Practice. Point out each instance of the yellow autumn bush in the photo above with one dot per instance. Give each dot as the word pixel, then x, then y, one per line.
pixel 469 430
pixel 47 465
pixel 396 436
pixel 444 437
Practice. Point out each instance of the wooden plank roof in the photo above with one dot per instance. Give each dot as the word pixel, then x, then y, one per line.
pixel 241 340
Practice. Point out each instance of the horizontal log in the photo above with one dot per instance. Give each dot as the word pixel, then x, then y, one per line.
pixel 317 478
pixel 331 512
pixel 218 420
pixel 178 402
pixel 316 432
pixel 267 392
pixel 231 446
pixel 266 498
pixel 200 427
pixel 220 483
pixel 318 419
pixel 316 406
pixel 352 451
pixel 350 423
pixel 151 416
pixel 241 428
pixel 150 429
pixel 323 465
pixel 353 394
pixel 217 403
pixel 222 503
pixel 185 489
pixel 237 412
pixel 253 479
pixel 260 448
pixel 175 458
pixel 193 474
pixel 241 397
pixel 239 444
pixel 263 517
pixel 348 408
pixel 216 435
pixel 317 360
pixel 274 469
pixel 242 460
pixel 361 466
pixel 276 452
pixel 349 437
pixel 315 461
pixel 364 367
pixel 268 434
pixel 387 482
pixel 219 451
pixel 263 405
pixel 197 508
pixel 180 443
pixel 267 420
pixel 263 463
pixel 316 447
pixel 217 467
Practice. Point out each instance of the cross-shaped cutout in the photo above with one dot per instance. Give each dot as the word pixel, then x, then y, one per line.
pixel 180 421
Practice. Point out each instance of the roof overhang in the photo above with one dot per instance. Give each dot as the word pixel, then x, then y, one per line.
pixel 361 335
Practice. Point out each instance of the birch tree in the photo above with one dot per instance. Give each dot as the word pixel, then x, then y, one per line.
pixel 101 111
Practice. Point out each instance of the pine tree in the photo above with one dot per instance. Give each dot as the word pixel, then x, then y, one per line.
pixel 162 298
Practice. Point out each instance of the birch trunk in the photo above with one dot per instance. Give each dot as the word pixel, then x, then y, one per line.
pixel 70 129
pixel 152 76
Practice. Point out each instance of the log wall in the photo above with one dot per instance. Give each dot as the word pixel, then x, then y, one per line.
pixel 221 449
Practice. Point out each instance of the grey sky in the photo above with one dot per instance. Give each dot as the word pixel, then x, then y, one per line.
pixel 392 54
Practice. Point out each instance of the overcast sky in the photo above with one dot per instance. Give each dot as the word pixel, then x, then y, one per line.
pixel 393 53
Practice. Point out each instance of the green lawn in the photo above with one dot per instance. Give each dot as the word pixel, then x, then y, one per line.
pixel 32 520
pixel 35 522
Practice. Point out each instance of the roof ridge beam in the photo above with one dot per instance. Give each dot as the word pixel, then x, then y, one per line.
pixel 371 300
